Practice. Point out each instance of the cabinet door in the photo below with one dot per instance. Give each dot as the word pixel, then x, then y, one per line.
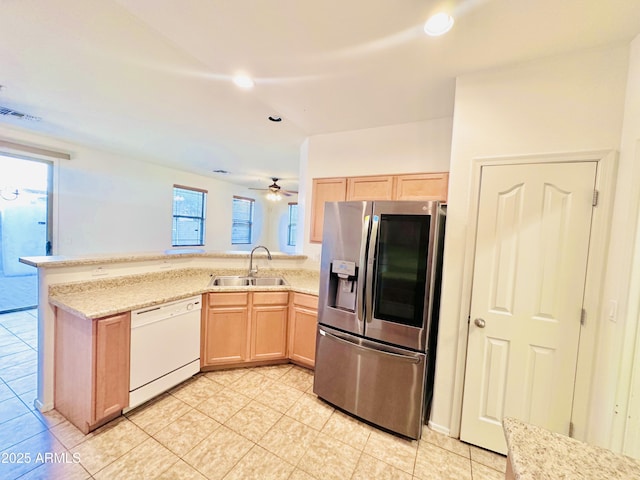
pixel 225 335
pixel 324 190
pixel 304 324
pixel 370 188
pixel 111 380
pixel 303 317
pixel 422 186
pixel 269 332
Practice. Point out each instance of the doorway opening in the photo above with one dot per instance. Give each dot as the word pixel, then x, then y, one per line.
pixel 25 228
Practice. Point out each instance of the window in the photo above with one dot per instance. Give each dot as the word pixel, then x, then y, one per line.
pixel 188 216
pixel 242 220
pixel 293 221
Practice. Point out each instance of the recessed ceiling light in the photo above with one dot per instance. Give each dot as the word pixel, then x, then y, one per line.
pixel 274 118
pixel 243 81
pixel 438 24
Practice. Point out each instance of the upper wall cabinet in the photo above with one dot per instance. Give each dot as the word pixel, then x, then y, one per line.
pixel 370 188
pixel 324 190
pixel 418 186
pixel 422 186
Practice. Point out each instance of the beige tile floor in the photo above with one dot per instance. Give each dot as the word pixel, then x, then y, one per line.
pixel 262 423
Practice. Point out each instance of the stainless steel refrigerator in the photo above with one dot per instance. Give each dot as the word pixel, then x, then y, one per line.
pixel 378 309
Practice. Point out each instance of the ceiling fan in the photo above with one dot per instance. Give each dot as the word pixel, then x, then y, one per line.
pixel 275 191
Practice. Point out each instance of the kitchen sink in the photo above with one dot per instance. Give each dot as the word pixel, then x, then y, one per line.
pixel 231 281
pixel 265 281
pixel 243 281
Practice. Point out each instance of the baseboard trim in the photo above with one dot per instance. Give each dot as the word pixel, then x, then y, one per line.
pixel 439 428
pixel 41 406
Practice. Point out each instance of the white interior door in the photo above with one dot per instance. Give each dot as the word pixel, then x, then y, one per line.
pixel 532 242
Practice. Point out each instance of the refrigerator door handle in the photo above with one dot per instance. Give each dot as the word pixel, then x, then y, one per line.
pixel 370 268
pixel 409 358
pixel 360 309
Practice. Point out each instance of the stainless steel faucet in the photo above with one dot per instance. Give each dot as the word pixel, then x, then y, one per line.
pixel 253 271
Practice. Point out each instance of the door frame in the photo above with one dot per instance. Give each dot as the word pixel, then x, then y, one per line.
pixel 596 266
pixel 626 424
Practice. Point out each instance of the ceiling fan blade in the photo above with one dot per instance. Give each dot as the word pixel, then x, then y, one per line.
pixel 276 189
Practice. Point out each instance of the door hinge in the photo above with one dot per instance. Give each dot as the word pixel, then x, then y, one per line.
pixel 571 429
pixel 583 317
pixel 595 198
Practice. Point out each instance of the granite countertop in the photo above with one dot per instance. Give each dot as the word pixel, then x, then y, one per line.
pixel 101 298
pixel 538 454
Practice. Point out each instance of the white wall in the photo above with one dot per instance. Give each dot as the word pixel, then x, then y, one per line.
pixel 567 103
pixel 107 203
pixel 405 148
pixel 618 338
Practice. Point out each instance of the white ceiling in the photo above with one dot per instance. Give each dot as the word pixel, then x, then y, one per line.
pixel 151 78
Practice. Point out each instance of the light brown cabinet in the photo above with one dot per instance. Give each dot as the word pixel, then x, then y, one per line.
pixel 91 379
pixel 240 327
pixel 225 328
pixel 417 186
pixel 324 190
pixel 370 188
pixel 269 325
pixel 303 320
pixel 424 186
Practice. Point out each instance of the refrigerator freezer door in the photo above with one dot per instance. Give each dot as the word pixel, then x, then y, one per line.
pixel 344 241
pixel 378 383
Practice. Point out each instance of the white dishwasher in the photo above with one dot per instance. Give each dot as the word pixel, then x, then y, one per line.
pixel 165 348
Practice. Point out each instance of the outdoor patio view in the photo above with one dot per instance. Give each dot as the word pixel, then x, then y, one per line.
pixel 23 229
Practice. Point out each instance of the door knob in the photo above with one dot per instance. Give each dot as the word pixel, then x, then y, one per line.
pixel 479 322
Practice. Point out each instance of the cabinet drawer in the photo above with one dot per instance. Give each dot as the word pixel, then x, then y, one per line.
pixel 303 300
pixel 222 299
pixel 270 298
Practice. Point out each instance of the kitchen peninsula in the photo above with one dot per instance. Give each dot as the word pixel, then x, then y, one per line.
pixel 103 287
pixel 538 454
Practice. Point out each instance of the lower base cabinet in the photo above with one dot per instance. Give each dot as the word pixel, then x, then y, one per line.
pixel 243 327
pixel 91 378
pixel 92 356
pixel 269 325
pixel 224 328
pixel 303 320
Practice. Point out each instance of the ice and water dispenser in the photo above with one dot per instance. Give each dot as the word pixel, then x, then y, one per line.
pixel 342 285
